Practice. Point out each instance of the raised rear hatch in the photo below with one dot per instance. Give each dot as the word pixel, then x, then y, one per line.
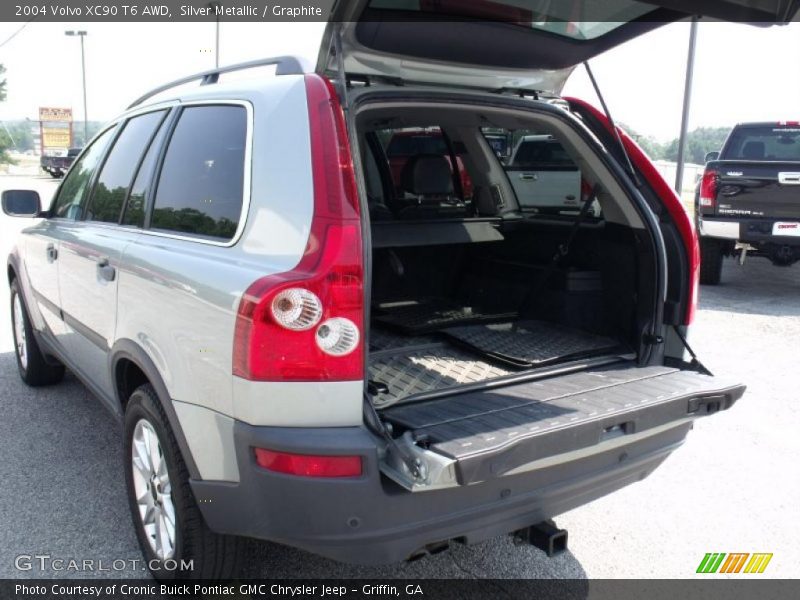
pixel 505 44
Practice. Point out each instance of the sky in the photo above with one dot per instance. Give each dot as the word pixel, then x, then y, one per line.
pixel 742 72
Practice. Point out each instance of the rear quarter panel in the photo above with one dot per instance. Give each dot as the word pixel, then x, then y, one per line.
pixel 178 298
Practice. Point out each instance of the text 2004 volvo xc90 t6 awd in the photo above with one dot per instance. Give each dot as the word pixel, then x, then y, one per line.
pixel 306 347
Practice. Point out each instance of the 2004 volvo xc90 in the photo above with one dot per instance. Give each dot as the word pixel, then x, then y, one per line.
pixel 307 349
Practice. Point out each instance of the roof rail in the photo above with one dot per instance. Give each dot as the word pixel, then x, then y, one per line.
pixel 285 65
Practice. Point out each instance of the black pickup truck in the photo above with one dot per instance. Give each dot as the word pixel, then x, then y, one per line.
pixel 748 201
pixel 57 166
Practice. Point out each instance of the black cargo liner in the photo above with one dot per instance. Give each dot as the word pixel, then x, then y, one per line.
pixel 528 344
pixel 492 432
pixel 432 314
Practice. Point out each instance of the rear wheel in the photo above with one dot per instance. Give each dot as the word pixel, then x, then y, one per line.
pixel 710 261
pixel 31 362
pixel 168 522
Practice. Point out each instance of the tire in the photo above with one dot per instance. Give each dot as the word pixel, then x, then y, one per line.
pixel 710 262
pixel 213 556
pixel 34 368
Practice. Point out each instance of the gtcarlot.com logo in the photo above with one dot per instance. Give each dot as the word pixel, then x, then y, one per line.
pixel 735 562
pixel 47 562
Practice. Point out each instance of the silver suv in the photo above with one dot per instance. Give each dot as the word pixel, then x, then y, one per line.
pixel 368 361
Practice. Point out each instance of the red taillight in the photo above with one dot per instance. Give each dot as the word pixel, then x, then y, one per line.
pixel 307 465
pixel 708 189
pixel 332 269
pixel 671 200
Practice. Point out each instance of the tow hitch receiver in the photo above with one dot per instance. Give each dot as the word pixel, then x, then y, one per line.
pixel 545 535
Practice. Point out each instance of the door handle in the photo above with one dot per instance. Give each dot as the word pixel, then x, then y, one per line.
pixel 52 253
pixel 105 270
pixel 528 176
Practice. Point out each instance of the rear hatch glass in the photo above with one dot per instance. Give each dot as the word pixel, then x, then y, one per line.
pixel 764 142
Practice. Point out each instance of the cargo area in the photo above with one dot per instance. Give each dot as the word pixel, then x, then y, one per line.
pixel 478 276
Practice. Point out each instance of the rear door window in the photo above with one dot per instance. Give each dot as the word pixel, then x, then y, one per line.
pixel 200 189
pixel 117 172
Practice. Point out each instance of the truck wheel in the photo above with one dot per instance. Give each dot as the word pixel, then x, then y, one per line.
pixel 31 362
pixel 710 262
pixel 174 538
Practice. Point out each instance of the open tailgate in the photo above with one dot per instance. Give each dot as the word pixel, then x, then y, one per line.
pixel 503 44
pixel 472 437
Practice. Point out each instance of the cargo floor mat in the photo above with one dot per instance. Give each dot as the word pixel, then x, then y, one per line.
pixel 529 343
pixel 406 371
pixel 431 314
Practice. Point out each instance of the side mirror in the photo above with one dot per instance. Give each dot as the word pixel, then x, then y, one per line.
pixel 712 156
pixel 21 203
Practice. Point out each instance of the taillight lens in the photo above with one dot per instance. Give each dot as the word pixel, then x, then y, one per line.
pixel 708 189
pixel 282 318
pixel 307 465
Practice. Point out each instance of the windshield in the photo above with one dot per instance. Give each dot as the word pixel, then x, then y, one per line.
pixel 777 143
pixel 576 19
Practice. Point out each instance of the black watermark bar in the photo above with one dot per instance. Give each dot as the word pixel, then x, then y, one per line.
pixel 178 11
pixel 253 11
pixel 429 589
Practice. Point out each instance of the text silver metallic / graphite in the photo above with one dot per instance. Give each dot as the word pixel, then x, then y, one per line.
pixel 276 10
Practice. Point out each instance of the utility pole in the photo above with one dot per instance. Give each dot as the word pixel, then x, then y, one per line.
pixel 687 100
pixel 214 5
pixel 81 35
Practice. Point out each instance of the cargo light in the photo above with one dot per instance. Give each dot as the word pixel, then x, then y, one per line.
pixel 308 465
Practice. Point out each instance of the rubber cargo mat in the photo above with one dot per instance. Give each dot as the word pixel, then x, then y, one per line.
pixel 431 314
pixel 529 343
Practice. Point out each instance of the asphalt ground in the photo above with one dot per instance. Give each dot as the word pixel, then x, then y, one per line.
pixel 733 487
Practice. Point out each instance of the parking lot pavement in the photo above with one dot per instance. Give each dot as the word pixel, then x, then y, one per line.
pixel 734 486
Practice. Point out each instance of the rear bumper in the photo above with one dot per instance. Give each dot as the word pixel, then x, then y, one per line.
pixel 751 231
pixel 371 520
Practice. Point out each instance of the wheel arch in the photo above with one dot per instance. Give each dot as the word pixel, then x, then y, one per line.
pixel 131 367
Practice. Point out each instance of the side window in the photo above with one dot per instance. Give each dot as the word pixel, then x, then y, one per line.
pixel 201 184
pixel 117 171
pixel 72 196
pixel 544 176
pixel 137 200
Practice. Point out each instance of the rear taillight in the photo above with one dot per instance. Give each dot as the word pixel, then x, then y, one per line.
pixel 306 324
pixel 708 189
pixel 307 465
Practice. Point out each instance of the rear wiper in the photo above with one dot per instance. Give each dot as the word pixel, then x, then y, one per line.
pixel 617 136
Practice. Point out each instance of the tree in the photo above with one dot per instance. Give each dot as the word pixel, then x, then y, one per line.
pixel 5 140
pixel 699 142
pixel 652 147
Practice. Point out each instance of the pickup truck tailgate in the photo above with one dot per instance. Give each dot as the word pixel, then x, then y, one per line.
pixel 488 433
pixel 758 189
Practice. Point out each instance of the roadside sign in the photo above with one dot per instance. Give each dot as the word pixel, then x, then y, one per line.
pixel 49 114
pixel 55 126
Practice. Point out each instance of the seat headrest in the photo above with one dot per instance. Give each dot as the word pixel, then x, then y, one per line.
pixel 427 174
pixel 753 150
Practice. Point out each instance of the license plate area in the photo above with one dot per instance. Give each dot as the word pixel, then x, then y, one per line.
pixel 786 228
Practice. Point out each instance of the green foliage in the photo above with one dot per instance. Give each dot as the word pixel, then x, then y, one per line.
pixel 5 140
pixel 652 147
pixel 699 142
